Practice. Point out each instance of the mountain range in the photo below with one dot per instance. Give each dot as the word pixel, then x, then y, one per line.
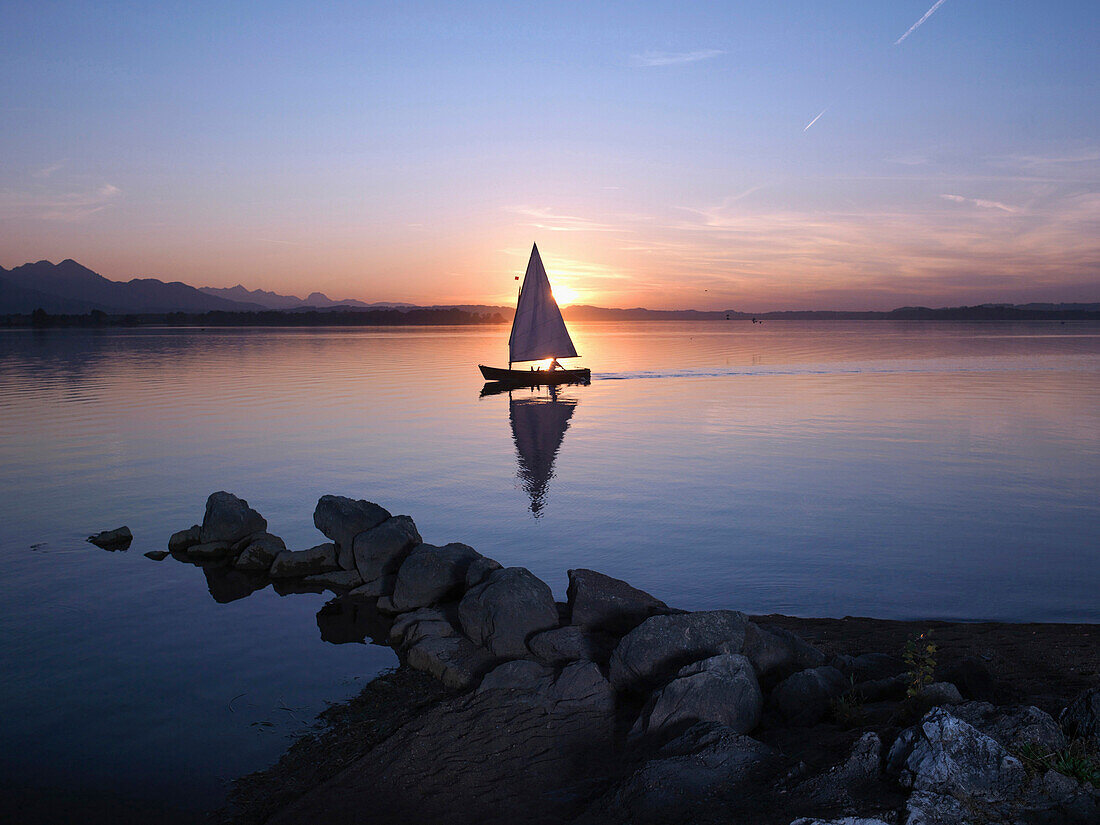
pixel 68 288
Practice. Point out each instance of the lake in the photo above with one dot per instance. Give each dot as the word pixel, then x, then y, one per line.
pixel 894 470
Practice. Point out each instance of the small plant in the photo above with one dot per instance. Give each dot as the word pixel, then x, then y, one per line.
pixel 1074 761
pixel 920 655
pixel 848 707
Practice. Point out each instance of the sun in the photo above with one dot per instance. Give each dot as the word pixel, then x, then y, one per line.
pixel 565 295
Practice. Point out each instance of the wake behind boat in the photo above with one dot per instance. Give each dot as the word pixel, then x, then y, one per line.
pixel 538 334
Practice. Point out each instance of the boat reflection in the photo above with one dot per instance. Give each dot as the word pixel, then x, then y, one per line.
pixel 539 416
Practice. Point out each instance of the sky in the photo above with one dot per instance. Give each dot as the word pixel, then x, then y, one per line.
pixel 749 155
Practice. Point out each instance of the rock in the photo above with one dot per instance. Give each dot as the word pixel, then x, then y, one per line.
pixel 229 519
pixel 295 587
pixel 505 609
pixel 475 759
pixel 579 685
pixel 661 645
pixel 338 581
pixel 972 678
pixel 776 653
pixel 208 550
pixel 844 820
pixel 260 553
pixel 880 690
pixel 1058 786
pixel 805 698
pixel 720 689
pixel 924 808
pixel 570 643
pixel 705 766
pixel 840 785
pixel 870 667
pixel 342 519
pixel 479 570
pixel 376 588
pixel 179 542
pixel 599 602
pixel 380 550
pixel 406 628
pixel 1013 726
pixel 431 574
pixel 297 563
pixel 385 605
pixel 938 694
pixel 454 660
pixel 156 555
pixel 954 758
pixel 117 539
pixel 1081 719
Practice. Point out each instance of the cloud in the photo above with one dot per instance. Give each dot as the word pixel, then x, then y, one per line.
pixel 542 218
pixel 985 204
pixel 647 59
pixel 920 22
pixel 47 171
pixel 816 119
pixel 67 206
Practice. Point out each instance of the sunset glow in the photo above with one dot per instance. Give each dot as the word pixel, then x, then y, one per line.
pixel 758 158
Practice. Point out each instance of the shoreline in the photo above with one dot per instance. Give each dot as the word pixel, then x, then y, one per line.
pixel 1045 664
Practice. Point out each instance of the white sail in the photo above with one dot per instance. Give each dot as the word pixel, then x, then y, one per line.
pixel 538 330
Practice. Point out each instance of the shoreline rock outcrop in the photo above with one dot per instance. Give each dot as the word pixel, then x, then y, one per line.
pixel 614 707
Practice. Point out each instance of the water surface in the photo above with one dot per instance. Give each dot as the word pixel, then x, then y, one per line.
pixel 896 470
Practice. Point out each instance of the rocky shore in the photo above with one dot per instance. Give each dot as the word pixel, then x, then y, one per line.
pixel 615 707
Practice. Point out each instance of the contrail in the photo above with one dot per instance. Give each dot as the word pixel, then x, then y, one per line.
pixel 917 25
pixel 823 111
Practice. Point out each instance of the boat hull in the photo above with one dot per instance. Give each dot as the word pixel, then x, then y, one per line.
pixel 535 378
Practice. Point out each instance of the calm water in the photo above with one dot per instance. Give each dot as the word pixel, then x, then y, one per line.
pixel 890 470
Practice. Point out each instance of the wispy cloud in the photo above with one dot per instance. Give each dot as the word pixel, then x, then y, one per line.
pixel 47 171
pixel 984 204
pixel 920 22
pixel 816 119
pixel 542 218
pixel 674 58
pixel 66 206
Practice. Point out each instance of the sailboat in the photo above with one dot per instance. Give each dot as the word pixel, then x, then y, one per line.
pixel 538 334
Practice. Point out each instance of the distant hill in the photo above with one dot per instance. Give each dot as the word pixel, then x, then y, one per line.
pixel 273 300
pixel 69 287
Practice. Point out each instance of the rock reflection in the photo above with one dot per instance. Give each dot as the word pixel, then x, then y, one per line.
pixel 343 620
pixel 539 422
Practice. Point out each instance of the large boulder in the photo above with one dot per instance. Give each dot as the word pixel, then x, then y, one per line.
pixel 1014 726
pixel 341 519
pixel 661 645
pixel 1081 719
pixel 508 607
pixel 776 653
pixel 870 667
pixel 570 643
pixel 706 766
pixel 599 602
pixel 379 551
pixel 948 756
pixel 804 698
pixel 182 539
pixel 409 628
pixel 454 660
pixel 578 685
pixel 720 689
pixel 431 574
pixel 338 581
pixel 117 539
pixel 297 563
pixel 260 553
pixel 841 784
pixel 924 808
pixel 229 519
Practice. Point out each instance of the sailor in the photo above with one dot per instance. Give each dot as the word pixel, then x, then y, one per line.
pixel 554 365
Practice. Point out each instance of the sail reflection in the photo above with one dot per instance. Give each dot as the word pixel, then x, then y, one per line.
pixel 539 423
